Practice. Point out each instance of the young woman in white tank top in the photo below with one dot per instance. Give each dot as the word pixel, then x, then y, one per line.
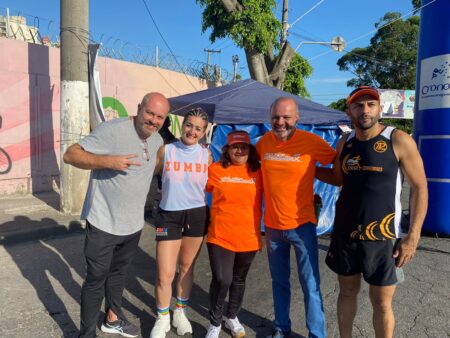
pixel 182 220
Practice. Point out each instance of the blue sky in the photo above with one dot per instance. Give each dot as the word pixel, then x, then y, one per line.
pixel 180 23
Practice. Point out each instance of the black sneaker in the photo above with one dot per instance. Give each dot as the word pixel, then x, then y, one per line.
pixel 121 327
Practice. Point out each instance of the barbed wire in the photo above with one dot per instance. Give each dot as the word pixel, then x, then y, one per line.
pixel 34 29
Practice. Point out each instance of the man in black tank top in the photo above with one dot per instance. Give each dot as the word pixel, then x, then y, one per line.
pixel 367 238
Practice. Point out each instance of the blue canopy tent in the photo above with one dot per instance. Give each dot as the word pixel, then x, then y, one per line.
pixel 245 105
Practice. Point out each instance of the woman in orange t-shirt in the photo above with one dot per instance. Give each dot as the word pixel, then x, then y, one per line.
pixel 234 233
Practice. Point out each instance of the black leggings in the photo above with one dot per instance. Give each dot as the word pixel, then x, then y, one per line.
pixel 229 271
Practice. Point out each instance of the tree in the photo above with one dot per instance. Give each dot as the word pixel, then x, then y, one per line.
pixel 299 69
pixel 253 26
pixel 390 59
pixel 340 104
pixel 402 124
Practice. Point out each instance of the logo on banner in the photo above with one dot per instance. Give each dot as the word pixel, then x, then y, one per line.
pixel 435 82
pixel 440 71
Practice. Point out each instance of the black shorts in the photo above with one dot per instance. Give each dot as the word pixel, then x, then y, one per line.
pixel 173 225
pixel 373 259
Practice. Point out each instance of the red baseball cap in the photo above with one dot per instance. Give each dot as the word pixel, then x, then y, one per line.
pixel 238 137
pixel 363 90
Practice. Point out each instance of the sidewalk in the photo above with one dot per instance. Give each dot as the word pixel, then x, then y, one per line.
pixel 42 269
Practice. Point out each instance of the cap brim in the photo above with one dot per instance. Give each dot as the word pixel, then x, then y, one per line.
pixel 238 141
pixel 368 91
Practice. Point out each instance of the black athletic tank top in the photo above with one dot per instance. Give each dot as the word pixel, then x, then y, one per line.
pixel 369 205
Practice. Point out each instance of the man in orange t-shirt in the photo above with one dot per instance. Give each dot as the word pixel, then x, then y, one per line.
pixel 288 161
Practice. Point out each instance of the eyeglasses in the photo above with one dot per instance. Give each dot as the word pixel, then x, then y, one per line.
pixel 145 154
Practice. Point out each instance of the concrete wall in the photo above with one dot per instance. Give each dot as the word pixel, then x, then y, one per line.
pixel 30 108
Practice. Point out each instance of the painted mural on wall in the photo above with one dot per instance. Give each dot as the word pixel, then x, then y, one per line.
pixel 30 109
pixel 113 108
pixel 5 159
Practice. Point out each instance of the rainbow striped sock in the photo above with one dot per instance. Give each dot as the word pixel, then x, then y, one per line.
pixel 162 312
pixel 182 303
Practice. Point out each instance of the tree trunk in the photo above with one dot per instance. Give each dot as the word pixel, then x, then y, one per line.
pixel 232 5
pixel 257 66
pixel 278 73
pixel 267 69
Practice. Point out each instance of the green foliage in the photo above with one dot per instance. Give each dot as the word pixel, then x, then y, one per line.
pixel 299 69
pixel 340 104
pixel 255 25
pixel 405 125
pixel 390 59
pixel 416 4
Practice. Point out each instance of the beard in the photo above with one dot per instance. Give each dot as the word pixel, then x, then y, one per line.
pixel 143 128
pixel 284 134
pixel 363 124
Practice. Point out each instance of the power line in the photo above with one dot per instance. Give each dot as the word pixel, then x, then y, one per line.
pixel 167 45
pixel 382 62
pixel 311 35
pixel 218 46
pixel 306 13
pixel 374 30
pixel 371 58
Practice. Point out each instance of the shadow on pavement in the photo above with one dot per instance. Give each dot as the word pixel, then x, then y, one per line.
pixel 44 262
pixel 44 252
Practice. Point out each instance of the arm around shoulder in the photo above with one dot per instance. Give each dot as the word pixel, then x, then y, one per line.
pixel 332 175
pixel 210 157
pixel 160 160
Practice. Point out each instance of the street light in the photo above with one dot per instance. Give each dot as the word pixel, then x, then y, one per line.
pixel 235 60
pixel 337 43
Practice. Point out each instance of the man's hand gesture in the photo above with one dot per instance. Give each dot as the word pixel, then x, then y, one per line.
pixel 122 162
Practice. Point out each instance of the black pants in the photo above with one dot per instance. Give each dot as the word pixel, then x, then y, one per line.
pixel 107 259
pixel 229 271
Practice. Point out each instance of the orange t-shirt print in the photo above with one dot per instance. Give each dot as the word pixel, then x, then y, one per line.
pixel 288 170
pixel 235 208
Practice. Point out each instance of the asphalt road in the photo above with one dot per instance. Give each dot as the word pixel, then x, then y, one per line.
pixel 42 270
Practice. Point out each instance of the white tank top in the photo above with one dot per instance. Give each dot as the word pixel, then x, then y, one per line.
pixel 184 177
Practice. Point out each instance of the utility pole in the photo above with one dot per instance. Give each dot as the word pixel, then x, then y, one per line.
pixel 74 98
pixel 284 22
pixel 209 51
pixel 235 59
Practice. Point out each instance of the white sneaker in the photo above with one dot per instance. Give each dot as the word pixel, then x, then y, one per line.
pixel 213 331
pixel 161 327
pixel 181 322
pixel 236 328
